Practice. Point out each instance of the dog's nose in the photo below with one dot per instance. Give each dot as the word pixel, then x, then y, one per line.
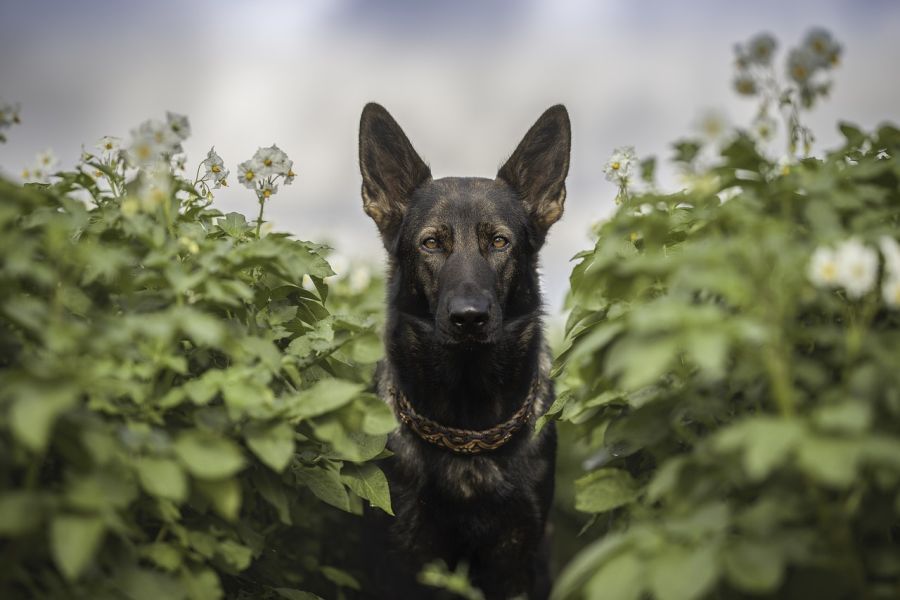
pixel 469 313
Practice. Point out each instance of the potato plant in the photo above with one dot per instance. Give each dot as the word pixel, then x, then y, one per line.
pixel 180 411
pixel 731 362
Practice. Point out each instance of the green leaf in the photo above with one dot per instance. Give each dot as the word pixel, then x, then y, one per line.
pixel 34 412
pixel 604 490
pixel 367 481
pixel 291 594
pixel 324 396
pixel 234 224
pixel 830 461
pixel 235 554
pixel 340 577
pixel 207 455
pixel 273 444
pixel 162 477
pixel 74 540
pixel 326 485
pixel 224 495
pixel 680 573
pixel 20 512
pixel 622 577
pixel 752 566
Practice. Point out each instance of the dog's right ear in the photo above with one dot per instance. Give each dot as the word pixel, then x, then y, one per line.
pixel 391 169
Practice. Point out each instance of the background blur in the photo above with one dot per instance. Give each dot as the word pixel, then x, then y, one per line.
pixel 465 79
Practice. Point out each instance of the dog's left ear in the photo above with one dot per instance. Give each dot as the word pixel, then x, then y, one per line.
pixel 537 169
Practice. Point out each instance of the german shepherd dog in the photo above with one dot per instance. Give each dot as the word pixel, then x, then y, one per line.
pixel 466 366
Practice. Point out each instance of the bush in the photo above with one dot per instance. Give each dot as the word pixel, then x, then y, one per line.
pixel 737 380
pixel 176 406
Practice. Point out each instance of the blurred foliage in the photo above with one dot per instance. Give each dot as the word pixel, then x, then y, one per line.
pixel 743 424
pixel 177 411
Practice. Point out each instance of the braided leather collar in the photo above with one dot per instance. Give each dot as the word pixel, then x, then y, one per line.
pixel 464 441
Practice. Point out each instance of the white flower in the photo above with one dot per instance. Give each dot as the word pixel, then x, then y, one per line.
pixel 825 51
pixel 289 173
pixel 267 189
pixel 108 144
pixel 890 250
pixel 823 271
pixel 273 160
pixel 359 278
pixel 215 168
pixel 46 159
pixel 890 291
pixel 179 125
pixel 765 127
pixel 152 142
pixel 801 64
pixel 619 164
pixel 760 49
pixel 249 172
pixel 156 187
pixel 857 267
pixel 712 124
pixel 745 84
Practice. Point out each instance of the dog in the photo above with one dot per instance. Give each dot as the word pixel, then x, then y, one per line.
pixel 466 367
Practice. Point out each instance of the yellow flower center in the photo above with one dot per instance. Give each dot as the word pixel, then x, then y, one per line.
pixel 216 169
pixel 26 173
pixel 615 166
pixel 108 145
pixel 249 175
pixel 799 72
pixel 267 193
pixel 818 46
pixel 829 272
pixel 268 162
pixel 143 151
pixel 98 174
pixel 291 173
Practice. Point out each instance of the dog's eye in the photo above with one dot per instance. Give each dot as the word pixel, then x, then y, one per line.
pixel 431 244
pixel 499 242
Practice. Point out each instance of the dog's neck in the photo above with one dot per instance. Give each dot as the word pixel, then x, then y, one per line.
pixel 465 386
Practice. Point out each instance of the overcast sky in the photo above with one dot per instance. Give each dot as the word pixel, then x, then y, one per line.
pixel 465 79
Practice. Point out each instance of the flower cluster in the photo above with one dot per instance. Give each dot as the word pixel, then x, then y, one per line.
pixel 819 51
pixel 618 170
pixel 853 266
pixel 44 164
pixel 9 116
pixel 262 172
pixel 155 141
pixel 756 76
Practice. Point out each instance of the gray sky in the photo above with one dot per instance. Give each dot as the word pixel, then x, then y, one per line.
pixel 465 79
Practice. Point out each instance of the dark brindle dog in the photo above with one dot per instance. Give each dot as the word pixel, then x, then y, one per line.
pixel 466 369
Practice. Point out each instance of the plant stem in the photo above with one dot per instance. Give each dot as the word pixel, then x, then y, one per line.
pixel 259 218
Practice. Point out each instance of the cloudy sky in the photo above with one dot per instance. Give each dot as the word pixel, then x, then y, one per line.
pixel 465 79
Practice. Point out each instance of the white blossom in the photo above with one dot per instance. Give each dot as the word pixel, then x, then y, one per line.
pixel 890 291
pixel 267 189
pixel 215 168
pixel 152 142
pixel 890 250
pixel 801 64
pixel 825 51
pixel 108 144
pixel 823 269
pixel 249 172
pixel 179 125
pixel 618 166
pixel 760 49
pixel 857 267
pixel 273 160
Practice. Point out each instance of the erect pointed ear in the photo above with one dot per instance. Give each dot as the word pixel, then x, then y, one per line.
pixel 391 169
pixel 537 169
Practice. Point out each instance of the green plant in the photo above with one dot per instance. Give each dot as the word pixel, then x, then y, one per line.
pixel 176 407
pixel 736 378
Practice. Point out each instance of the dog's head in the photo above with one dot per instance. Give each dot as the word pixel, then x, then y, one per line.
pixel 464 249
